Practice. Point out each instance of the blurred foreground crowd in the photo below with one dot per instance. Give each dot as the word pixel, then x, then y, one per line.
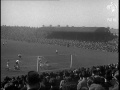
pixel 104 77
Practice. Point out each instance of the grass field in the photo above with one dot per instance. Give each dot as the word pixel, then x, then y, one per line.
pixel 30 51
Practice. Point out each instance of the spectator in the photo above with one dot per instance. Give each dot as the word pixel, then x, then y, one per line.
pixel 96 87
pixel 116 81
pixel 53 84
pixel 62 82
pixel 32 81
pixel 67 82
pixel 96 84
pixel 82 85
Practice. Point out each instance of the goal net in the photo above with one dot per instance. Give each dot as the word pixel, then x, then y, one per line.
pixel 52 62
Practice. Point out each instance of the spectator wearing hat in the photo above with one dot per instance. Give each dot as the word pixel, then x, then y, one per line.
pixel 32 81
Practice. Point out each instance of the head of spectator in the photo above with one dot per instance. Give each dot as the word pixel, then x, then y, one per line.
pixel 116 76
pixel 95 72
pixel 90 81
pixel 33 80
pixel 96 87
pixel 52 81
pixel 53 84
pixel 116 81
pixel 108 74
pixel 95 83
pixel 9 86
pixel 82 84
pixel 99 80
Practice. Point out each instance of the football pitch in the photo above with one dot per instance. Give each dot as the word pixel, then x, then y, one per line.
pixel 30 51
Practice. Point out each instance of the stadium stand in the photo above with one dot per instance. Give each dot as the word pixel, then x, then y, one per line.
pixel 96 38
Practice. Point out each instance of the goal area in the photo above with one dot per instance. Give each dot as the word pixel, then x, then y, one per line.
pixel 54 62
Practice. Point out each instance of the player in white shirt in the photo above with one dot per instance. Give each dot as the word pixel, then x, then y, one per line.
pixel 17 66
pixel 56 51
pixel 3 43
pixel 7 65
pixel 40 61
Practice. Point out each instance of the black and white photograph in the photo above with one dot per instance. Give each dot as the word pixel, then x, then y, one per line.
pixel 59 45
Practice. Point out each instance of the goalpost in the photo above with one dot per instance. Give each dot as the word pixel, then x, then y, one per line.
pixel 71 61
pixel 55 61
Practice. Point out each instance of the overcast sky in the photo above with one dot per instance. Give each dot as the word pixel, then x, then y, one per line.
pixel 59 12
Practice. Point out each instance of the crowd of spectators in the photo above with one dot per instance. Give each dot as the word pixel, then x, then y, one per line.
pixel 103 77
pixel 111 46
pixel 33 35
